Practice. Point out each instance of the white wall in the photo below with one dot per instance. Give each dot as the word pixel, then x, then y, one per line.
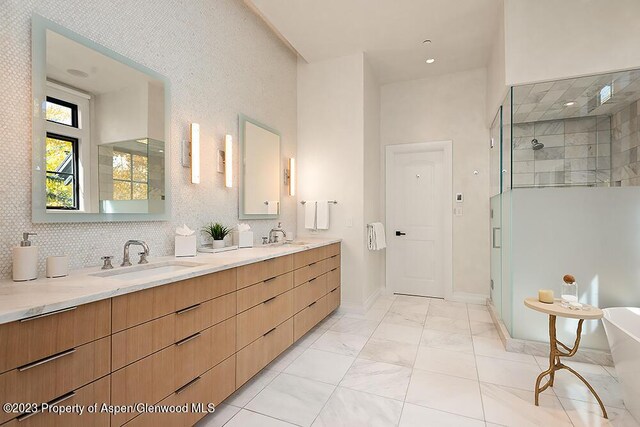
pixel 339 159
pixel 550 39
pixel 496 79
pixel 450 107
pixel 374 260
pixel 330 157
pixel 220 59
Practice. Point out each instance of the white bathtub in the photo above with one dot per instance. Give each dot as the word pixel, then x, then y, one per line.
pixel 622 325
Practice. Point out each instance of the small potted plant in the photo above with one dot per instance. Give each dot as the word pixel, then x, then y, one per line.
pixel 217 232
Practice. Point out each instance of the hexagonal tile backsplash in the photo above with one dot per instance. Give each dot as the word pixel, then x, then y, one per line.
pixel 221 60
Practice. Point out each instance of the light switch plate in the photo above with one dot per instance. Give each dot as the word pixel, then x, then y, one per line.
pixel 349 222
pixel 459 198
pixel 458 211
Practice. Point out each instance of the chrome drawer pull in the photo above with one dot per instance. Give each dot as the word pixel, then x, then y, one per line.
pixel 189 338
pixel 312 304
pixel 270 279
pixel 270 299
pixel 268 332
pixel 51 403
pixel 51 313
pixel 187 385
pixel 191 307
pixel 46 360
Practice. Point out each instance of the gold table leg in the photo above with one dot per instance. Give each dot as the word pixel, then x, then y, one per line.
pixel 555 364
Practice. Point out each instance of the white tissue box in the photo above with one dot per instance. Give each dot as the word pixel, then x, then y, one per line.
pixel 243 239
pixel 186 245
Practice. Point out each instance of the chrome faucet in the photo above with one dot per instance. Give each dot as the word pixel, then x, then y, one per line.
pixel 143 255
pixel 278 229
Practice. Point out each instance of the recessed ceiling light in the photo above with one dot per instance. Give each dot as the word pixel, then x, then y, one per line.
pixel 427 41
pixel 77 73
pixel 570 104
pixel 430 61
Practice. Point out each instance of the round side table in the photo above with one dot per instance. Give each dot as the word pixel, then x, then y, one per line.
pixel 554 310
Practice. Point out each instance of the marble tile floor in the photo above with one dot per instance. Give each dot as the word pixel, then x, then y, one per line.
pixel 413 361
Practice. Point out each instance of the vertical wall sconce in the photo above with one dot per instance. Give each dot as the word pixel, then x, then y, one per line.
pixel 290 176
pixel 228 161
pixel 195 153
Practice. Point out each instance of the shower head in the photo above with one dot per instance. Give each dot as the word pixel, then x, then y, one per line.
pixel 536 145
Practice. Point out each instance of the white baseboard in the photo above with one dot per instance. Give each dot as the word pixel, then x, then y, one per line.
pixel 469 298
pixel 351 307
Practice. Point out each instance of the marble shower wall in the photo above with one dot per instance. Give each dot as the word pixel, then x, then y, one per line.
pixel 625 155
pixel 576 152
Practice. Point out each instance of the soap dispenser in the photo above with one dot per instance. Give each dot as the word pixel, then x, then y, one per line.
pixel 25 260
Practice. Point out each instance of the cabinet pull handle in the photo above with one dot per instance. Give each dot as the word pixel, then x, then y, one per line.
pixel 189 338
pixel 270 279
pixel 335 269
pixel 270 299
pixel 313 303
pixel 46 360
pixel 334 290
pixel 187 385
pixel 185 310
pixel 268 332
pixel 311 280
pixel 51 403
pixel 51 313
pixel 313 263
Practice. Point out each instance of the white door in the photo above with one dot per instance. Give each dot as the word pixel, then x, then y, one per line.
pixel 418 219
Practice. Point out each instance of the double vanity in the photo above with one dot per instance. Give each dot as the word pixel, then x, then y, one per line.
pixel 170 333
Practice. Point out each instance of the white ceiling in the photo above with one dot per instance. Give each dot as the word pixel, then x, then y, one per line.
pixel 104 74
pixel 390 32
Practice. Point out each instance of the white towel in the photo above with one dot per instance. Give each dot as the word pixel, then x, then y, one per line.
pixel 376 238
pixel 322 217
pixel 272 207
pixel 310 215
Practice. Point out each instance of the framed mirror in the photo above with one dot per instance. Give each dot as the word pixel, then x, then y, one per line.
pixel 259 170
pixel 100 132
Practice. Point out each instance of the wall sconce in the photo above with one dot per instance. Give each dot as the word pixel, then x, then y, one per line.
pixel 228 161
pixel 195 153
pixel 290 176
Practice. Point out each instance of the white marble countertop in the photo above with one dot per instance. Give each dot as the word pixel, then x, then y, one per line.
pixel 19 300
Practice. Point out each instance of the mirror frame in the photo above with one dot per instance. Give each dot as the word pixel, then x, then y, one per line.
pixel 242 121
pixel 39 214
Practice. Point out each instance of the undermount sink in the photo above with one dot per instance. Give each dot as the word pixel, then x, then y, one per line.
pixel 147 270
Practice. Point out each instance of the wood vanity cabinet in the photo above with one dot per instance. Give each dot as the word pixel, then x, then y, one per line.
pixel 192 341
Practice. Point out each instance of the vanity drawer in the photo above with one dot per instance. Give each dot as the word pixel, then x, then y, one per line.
pixel 211 387
pixel 257 321
pixel 309 317
pixel 140 341
pixel 308 272
pixel 333 279
pixel 200 316
pixel 203 350
pixel 95 392
pixel 139 307
pixel 308 293
pixel 259 353
pixel 332 250
pixel 264 270
pixel 146 381
pixel 333 262
pixel 37 337
pixel 46 379
pixel 260 292
pixel 304 258
pixel 333 300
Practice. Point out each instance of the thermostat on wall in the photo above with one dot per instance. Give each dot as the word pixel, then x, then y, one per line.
pixel 459 197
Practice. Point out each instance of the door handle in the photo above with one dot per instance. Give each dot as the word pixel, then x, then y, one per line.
pixel 494 238
pixel 400 233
